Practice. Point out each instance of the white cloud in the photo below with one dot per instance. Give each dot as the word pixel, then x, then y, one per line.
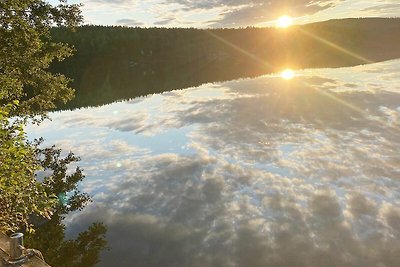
pixel 129 22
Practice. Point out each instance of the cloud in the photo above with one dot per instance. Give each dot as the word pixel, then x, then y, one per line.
pixel 183 213
pixel 383 8
pixel 164 21
pixel 245 13
pixel 255 14
pixel 129 22
pixel 117 121
pixel 210 4
pixel 95 9
pixel 115 2
pixel 228 13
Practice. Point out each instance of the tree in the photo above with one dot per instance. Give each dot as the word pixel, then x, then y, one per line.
pixel 49 236
pixel 20 194
pixel 26 52
pixel 85 250
pixel 27 88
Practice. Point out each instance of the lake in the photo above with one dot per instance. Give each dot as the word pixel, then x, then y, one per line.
pixel 261 171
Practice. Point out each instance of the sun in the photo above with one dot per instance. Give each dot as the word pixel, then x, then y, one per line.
pixel 287 74
pixel 284 22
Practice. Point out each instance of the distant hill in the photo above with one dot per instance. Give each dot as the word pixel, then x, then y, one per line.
pixel 115 63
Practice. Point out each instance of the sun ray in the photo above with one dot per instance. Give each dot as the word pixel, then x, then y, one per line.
pixel 337 47
pixel 241 50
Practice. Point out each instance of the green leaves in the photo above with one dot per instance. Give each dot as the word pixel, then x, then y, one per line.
pixel 27 89
pixel 26 52
pixel 20 193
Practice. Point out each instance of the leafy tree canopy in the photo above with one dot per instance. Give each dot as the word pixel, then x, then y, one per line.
pixel 26 51
pixel 20 193
pixel 38 186
pixel 27 88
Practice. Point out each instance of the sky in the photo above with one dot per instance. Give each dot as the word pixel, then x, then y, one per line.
pixel 227 13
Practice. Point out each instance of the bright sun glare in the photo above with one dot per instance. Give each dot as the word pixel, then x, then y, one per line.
pixel 287 74
pixel 284 22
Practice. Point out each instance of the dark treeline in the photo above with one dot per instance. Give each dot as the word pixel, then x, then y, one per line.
pixel 115 63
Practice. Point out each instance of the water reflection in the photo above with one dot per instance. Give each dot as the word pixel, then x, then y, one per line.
pixel 254 172
pixel 60 178
pixel 83 250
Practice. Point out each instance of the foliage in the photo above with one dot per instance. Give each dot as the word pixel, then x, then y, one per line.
pixel 83 251
pixel 61 179
pixel 27 88
pixel 38 186
pixel 20 193
pixel 26 51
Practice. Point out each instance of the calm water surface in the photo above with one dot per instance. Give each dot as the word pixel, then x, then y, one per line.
pixel 253 172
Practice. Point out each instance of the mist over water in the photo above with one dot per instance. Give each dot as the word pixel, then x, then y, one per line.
pixel 253 172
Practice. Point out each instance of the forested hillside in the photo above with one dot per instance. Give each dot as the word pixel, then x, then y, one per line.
pixel 113 63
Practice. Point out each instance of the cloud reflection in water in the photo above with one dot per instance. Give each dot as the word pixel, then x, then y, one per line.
pixel 265 172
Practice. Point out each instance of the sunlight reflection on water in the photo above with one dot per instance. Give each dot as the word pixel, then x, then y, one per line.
pixel 259 171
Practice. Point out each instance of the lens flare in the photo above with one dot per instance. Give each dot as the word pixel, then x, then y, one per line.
pixel 287 74
pixel 284 22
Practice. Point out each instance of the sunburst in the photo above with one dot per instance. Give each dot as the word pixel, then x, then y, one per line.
pixel 284 21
